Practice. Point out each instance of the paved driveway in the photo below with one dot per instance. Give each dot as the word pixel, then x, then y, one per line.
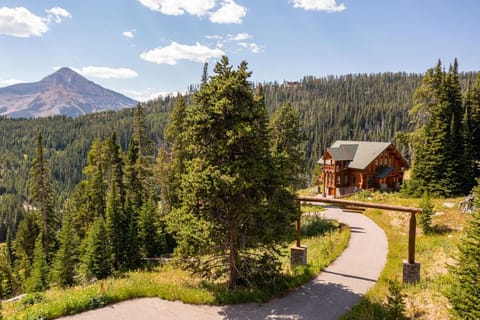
pixel 327 297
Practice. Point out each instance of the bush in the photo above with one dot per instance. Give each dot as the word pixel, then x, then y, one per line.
pixel 395 302
pixel 313 226
pixel 427 212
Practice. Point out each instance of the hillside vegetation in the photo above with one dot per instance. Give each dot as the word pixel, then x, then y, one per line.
pixel 370 107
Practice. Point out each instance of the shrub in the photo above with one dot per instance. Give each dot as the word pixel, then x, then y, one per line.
pixel 427 212
pixel 395 302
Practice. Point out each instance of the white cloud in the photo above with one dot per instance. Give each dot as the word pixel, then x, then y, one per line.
pixel 230 12
pixel 174 52
pixel 239 37
pixel 57 14
pixel 129 34
pixel 214 36
pixel 179 7
pixel 107 73
pixel 19 22
pixel 148 94
pixel 9 82
pixel 319 5
pixel 253 47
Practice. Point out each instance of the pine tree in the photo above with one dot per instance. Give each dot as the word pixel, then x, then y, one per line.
pixel 464 293
pixel 116 221
pixel 441 161
pixel 38 279
pixel 231 196
pixel 27 234
pixel 469 143
pixel 116 225
pixel 425 217
pixel 455 175
pixel 429 138
pixel 205 73
pixel 475 116
pixel 395 302
pixel 42 195
pixel 287 141
pixel 66 258
pixel 151 236
pixel 96 182
pixel 171 160
pixel 9 249
pixel 96 252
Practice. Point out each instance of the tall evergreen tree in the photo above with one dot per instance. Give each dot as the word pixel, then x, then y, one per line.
pixel 475 116
pixel 9 249
pixel 116 225
pixel 464 293
pixel 151 234
pixel 38 279
pixel 96 252
pixel 27 234
pixel 42 195
pixel 287 142
pixel 171 161
pixel 441 160
pixel 88 199
pixel 66 258
pixel 455 173
pixel 468 139
pixel 205 73
pixel 232 199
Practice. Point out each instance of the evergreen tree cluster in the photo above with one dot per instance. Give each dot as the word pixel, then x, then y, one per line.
pixel 446 140
pixel 361 106
pixel 66 144
pixel 229 177
pixel 109 223
pixel 222 185
pixel 370 107
pixel 464 292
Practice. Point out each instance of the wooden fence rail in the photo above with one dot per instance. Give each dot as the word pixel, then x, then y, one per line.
pixel 412 226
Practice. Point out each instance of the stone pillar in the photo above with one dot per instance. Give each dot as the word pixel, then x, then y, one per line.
pixel 298 256
pixel 411 272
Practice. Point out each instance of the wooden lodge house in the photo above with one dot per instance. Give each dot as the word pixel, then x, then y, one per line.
pixel 351 166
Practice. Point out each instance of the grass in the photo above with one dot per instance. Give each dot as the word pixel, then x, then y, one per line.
pixel 434 251
pixel 171 283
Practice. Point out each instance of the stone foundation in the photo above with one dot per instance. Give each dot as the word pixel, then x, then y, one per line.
pixel 411 272
pixel 298 256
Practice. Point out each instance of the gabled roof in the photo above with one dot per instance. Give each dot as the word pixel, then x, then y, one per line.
pixel 361 153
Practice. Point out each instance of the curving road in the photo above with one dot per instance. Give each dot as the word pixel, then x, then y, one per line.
pixel 328 296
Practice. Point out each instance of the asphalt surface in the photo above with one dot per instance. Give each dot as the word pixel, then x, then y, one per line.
pixel 327 297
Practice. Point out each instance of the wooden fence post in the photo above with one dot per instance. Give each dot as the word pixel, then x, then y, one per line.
pixel 412 228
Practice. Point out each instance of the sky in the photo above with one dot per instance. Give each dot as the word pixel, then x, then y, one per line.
pixel 143 48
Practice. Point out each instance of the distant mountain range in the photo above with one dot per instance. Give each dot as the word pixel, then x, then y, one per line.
pixel 64 92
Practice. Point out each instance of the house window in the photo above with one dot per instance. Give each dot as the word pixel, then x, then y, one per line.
pixel 339 179
pixel 354 180
pixel 346 179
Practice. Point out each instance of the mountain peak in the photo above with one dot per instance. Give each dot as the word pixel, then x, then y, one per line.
pixel 64 75
pixel 62 92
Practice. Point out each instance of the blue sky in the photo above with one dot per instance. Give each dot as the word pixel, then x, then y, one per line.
pixel 144 47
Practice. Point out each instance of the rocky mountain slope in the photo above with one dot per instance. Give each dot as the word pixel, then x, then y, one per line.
pixel 64 92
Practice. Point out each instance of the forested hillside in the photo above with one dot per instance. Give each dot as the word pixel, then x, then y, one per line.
pixel 67 142
pixel 364 107
pixel 361 107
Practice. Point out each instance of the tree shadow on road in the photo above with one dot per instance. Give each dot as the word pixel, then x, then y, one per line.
pixel 314 300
